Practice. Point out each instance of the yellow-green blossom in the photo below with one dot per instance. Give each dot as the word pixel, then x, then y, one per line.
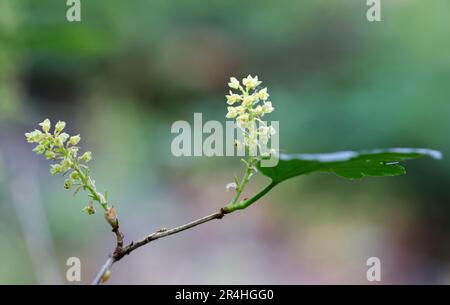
pixel 251 82
pixel 233 98
pixel 75 175
pixel 267 107
pixel 61 139
pixel 68 183
pixel 59 127
pixel 74 140
pixel 89 209
pixel 248 100
pixel 263 95
pixel 39 149
pixel 50 155
pixel 34 136
pixel 55 169
pixel 248 108
pixel 45 125
pixel 61 147
pixel 234 83
pixel 86 157
pixel 232 112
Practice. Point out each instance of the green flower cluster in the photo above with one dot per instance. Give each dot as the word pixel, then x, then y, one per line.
pixel 61 147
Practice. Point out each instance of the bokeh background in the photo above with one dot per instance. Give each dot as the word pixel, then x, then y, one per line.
pixel 129 69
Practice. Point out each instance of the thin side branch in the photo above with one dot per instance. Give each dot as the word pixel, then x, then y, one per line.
pixel 120 252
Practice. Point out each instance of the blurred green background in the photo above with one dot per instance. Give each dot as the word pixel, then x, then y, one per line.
pixel 129 69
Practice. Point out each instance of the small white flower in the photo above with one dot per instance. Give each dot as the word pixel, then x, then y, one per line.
pixel 68 184
pixel 55 169
pixel 75 175
pixel 65 165
pixel 45 125
pixel 268 130
pixel 86 157
pixel 40 149
pixel 34 136
pixel 61 139
pixel 231 186
pixel 265 132
pixel 50 155
pixel 258 111
pixel 251 82
pixel 248 100
pixel 233 98
pixel 243 120
pixel 263 95
pixel 73 151
pixel 272 152
pixel 234 83
pixel 74 140
pixel 89 209
pixel 59 126
pixel 232 112
pixel 267 107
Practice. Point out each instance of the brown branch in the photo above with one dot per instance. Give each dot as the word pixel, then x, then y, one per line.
pixel 119 240
pixel 121 251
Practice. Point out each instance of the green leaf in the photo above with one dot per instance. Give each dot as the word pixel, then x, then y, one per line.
pixel 346 164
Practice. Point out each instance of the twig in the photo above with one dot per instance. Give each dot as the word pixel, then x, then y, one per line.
pixel 120 252
pixel 103 270
pixel 119 239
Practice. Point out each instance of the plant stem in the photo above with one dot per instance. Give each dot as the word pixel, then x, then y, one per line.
pixel 243 183
pixel 153 236
pixel 245 203
pixel 106 266
pixel 234 204
pixel 90 187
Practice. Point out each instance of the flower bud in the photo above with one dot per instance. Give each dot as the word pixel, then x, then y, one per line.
pixel 45 125
pixel 231 186
pixel 34 136
pixel 59 141
pixel 233 98
pixel 248 100
pixel 86 157
pixel 251 82
pixel 75 175
pixel 74 140
pixel 68 184
pixel 65 165
pixel 73 151
pixel 267 107
pixel 89 209
pixel 55 169
pixel 59 126
pixel 234 83
pixel 40 149
pixel 263 95
pixel 49 154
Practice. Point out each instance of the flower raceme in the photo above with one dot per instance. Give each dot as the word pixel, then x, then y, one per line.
pixel 61 147
pixel 248 106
